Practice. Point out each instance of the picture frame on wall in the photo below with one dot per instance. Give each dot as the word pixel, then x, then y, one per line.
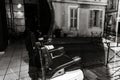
pixel 110 25
pixel 112 19
pixel 112 5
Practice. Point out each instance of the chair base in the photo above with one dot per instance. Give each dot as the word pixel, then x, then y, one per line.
pixel 70 75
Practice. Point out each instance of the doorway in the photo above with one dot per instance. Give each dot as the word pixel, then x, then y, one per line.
pixel 38 16
pixel 31 17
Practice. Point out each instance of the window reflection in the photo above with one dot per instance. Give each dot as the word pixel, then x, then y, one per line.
pixel 15 15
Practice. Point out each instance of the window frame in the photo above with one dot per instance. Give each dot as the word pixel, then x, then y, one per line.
pixel 101 18
pixel 69 17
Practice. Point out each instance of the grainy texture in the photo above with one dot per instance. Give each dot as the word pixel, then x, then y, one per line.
pixel 14 65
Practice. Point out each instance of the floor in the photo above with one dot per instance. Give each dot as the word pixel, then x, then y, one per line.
pixel 14 66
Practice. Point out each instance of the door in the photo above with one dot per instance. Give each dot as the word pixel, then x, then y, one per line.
pixel 45 16
pixel 38 16
pixel 31 17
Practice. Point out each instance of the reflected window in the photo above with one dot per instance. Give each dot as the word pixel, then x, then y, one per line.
pixel 73 17
pixel 95 18
pixel 15 15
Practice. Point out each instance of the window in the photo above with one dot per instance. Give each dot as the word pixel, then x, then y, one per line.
pixel 95 18
pixel 15 15
pixel 73 17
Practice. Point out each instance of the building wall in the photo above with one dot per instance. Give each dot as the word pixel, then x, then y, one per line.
pixel 62 17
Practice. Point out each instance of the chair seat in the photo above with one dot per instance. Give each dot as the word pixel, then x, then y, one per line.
pixel 62 62
pixel 55 67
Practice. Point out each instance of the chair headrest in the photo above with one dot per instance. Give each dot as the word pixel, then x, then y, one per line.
pixel 49 47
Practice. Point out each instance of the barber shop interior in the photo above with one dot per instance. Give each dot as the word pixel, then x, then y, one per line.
pixel 59 40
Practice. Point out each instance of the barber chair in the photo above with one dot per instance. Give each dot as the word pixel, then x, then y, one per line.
pixel 55 65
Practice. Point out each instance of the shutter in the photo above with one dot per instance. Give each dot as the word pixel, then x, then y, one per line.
pixel 101 18
pixel 90 19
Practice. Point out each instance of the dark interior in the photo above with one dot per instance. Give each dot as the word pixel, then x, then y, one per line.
pixel 38 17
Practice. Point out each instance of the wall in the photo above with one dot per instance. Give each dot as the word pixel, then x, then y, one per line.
pixel 62 16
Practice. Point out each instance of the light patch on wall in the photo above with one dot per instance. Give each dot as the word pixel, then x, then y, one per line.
pixel 19 5
pixel 20 14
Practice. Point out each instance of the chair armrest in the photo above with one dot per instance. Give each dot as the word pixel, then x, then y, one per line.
pixel 63 63
pixel 76 58
pixel 58 52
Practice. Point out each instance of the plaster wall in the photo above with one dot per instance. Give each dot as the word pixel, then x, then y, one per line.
pixel 62 19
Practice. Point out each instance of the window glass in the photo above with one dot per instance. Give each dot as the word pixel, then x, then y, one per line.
pixel 20 28
pixel 71 12
pixel 15 15
pixel 19 14
pixel 15 8
pixel 75 13
pixel 19 22
pixel 17 1
pixel 75 23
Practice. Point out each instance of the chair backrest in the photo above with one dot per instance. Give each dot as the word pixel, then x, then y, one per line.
pixel 46 57
pixel 49 55
pixel 30 41
pixel 57 52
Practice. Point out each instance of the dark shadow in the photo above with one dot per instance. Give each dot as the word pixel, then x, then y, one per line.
pixel 3 27
pixel 38 16
pixel 91 50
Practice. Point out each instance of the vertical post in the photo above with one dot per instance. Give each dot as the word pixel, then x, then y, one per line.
pixel 40 50
pixel 50 3
pixel 3 27
pixel 24 13
pixel 38 13
pixel 12 14
pixel 117 20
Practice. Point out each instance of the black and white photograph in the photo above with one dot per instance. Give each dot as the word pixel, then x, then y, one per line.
pixel 59 40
